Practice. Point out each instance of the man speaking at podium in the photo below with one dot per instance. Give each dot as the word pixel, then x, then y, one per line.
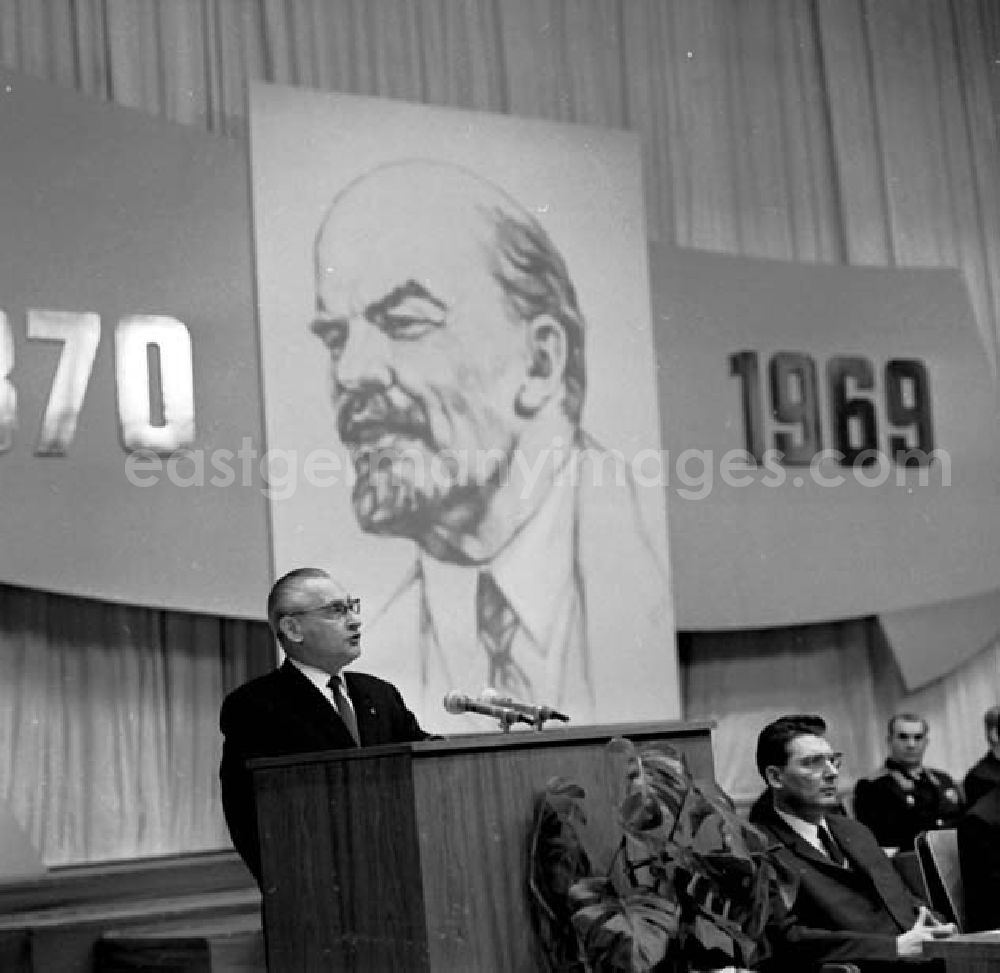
pixel 307 704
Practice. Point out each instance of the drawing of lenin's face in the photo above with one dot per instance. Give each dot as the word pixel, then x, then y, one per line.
pixel 427 360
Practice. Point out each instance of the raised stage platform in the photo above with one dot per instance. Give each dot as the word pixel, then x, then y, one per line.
pixel 192 913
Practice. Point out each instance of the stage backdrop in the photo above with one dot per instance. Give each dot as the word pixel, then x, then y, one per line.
pixel 126 332
pixel 866 403
pixel 127 297
pixel 384 233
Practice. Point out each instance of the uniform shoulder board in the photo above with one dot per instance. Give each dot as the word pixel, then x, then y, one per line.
pixel 878 774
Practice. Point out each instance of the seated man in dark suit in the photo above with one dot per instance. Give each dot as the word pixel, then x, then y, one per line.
pixel 306 704
pixel 979 852
pixel 847 904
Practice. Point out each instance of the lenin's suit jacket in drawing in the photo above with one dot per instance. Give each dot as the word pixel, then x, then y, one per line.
pixel 282 713
pixel 847 915
pixel 622 660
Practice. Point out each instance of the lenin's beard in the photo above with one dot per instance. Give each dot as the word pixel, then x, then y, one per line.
pixel 406 483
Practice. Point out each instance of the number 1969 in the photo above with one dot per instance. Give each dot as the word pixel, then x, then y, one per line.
pixel 795 400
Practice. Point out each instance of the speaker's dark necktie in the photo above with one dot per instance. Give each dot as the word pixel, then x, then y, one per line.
pixel 831 846
pixel 497 625
pixel 343 702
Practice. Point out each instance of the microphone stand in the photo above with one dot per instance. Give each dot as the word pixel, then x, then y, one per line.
pixel 536 715
pixel 510 717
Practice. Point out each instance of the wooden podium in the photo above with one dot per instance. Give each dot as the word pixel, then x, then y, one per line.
pixel 414 857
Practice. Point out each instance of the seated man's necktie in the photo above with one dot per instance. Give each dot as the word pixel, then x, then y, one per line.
pixel 497 625
pixel 831 847
pixel 338 689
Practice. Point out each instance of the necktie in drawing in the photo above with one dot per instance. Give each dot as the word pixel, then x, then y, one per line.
pixel 496 623
pixel 344 707
pixel 831 847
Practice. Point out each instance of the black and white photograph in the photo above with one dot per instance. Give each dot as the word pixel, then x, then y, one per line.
pixel 495 486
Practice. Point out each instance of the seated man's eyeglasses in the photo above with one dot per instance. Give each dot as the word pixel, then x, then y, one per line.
pixel 338 608
pixel 816 763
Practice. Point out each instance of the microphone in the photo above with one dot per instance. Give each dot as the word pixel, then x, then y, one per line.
pixel 457 703
pixel 538 713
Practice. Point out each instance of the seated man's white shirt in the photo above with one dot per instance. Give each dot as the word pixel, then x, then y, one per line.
pixel 804 829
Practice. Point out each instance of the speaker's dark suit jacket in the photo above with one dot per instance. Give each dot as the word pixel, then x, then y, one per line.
pixel 849 915
pixel 283 713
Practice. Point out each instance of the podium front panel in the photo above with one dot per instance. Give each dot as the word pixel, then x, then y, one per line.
pixel 415 857
pixel 341 866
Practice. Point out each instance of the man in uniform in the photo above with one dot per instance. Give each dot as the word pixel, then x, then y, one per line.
pixel 903 797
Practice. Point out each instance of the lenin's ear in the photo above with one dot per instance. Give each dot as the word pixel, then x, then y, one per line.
pixel 289 627
pixel 545 374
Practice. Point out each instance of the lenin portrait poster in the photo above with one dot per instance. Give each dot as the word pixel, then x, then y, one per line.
pixel 460 403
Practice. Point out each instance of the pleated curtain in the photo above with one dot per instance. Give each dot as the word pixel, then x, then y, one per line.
pixel 858 132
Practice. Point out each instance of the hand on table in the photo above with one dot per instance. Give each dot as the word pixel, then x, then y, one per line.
pixel 911 942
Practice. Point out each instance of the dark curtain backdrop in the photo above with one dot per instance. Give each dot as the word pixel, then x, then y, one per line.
pixel 856 132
